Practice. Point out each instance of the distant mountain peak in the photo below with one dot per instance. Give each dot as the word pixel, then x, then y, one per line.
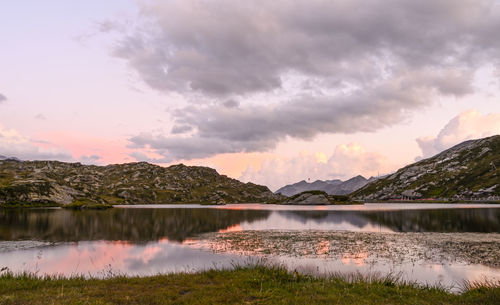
pixel 332 187
pixel 2 157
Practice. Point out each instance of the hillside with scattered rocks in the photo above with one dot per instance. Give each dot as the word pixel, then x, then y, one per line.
pixel 30 183
pixel 469 171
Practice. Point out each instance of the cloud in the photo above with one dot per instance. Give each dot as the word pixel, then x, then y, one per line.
pixel 3 98
pixel 13 144
pixel 299 69
pixel 40 117
pixel 231 104
pixel 91 159
pixel 219 129
pixel 348 160
pixel 177 129
pixel 248 47
pixel 466 126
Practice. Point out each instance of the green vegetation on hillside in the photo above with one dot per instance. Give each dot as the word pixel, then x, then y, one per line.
pixel 467 171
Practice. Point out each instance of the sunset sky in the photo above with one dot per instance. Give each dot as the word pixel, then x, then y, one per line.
pixel 271 92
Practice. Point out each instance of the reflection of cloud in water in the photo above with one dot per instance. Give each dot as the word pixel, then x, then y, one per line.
pixel 315 220
pixel 357 259
pixel 235 228
pixel 323 247
pixel 100 258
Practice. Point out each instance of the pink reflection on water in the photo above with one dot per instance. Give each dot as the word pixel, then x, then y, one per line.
pixel 89 258
pixel 357 259
pixel 323 248
pixel 235 228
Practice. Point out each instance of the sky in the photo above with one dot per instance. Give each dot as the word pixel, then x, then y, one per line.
pixel 271 92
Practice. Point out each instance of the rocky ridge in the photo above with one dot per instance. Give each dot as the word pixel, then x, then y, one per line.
pixel 315 198
pixel 468 171
pixel 53 182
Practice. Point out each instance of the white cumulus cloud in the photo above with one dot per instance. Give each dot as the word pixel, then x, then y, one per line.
pixel 466 126
pixel 348 160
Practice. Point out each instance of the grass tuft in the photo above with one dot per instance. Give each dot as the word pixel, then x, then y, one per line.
pixel 255 283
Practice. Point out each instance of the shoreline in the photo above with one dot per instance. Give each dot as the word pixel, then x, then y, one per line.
pixel 70 206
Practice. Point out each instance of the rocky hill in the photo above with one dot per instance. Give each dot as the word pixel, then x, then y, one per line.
pixel 332 187
pixel 316 198
pixel 467 171
pixel 52 182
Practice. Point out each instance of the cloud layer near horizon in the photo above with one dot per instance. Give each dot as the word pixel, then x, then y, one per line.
pixel 14 144
pixel 347 161
pixel 255 73
pixel 353 159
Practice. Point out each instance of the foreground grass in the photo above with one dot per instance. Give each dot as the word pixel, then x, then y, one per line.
pixel 248 285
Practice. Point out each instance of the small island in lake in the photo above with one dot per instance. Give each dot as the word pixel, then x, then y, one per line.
pixel 315 197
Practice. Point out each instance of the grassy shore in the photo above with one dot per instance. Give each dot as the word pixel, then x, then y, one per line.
pixel 243 285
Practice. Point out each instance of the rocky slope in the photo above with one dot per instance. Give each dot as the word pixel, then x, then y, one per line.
pixel 53 182
pixel 467 171
pixel 332 187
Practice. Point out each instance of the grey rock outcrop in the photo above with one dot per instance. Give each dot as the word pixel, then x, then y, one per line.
pixel 309 199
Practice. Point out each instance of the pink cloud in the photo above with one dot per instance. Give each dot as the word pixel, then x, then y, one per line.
pixel 466 126
pixel 86 148
pixel 346 161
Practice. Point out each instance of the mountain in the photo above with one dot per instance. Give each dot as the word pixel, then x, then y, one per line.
pixel 332 187
pixel 2 157
pixel 54 182
pixel 316 198
pixel 467 171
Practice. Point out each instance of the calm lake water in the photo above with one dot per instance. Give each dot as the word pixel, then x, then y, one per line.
pixel 143 240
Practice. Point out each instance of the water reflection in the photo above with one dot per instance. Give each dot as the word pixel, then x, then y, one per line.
pixel 439 220
pixel 107 258
pixel 178 224
pixel 138 225
pixel 142 241
pixel 111 258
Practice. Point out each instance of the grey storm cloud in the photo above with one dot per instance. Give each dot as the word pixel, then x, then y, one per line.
pixel 361 65
pixel 177 129
pixel 3 98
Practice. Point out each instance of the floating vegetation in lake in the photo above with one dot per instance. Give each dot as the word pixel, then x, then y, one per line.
pixel 363 247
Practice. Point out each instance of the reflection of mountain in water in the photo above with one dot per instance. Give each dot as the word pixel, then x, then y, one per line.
pixel 119 224
pixel 441 220
pixel 437 220
pixel 178 224
pixel 328 217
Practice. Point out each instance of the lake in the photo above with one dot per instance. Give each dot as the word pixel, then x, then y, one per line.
pixel 428 243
